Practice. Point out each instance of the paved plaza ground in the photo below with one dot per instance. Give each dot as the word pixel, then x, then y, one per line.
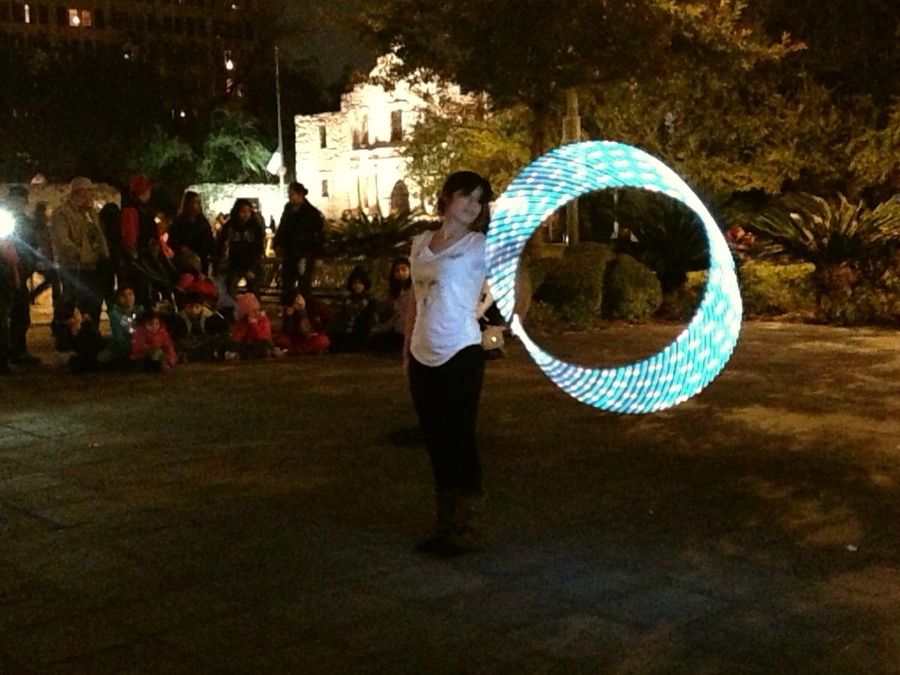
pixel 256 518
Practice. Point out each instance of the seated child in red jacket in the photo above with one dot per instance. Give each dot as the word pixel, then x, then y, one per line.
pixel 151 346
pixel 251 336
pixel 301 328
pixel 194 282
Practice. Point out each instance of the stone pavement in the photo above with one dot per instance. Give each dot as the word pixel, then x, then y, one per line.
pixel 255 518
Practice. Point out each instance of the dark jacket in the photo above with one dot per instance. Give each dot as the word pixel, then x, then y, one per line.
pixel 243 244
pixel 194 234
pixel 301 232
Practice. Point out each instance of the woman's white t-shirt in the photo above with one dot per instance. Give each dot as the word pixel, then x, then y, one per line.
pixel 447 288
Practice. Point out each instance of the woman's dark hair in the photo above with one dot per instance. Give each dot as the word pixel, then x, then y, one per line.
pixel 467 182
pixel 186 199
pixel 359 274
pixel 290 297
pixel 395 286
pixel 149 315
pixel 240 203
pixel 64 311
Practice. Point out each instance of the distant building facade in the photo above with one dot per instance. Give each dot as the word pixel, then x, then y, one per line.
pixel 351 160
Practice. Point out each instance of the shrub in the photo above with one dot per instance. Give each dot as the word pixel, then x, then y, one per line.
pixel 849 245
pixel 573 284
pixel 771 290
pixel 631 290
pixel 768 290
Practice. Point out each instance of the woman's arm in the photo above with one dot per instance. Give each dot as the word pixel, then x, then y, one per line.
pixel 484 301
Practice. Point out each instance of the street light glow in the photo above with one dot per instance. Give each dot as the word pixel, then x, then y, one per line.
pixel 7 224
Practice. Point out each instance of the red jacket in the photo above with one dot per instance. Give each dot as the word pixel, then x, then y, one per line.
pixel 251 333
pixel 143 342
pixel 9 255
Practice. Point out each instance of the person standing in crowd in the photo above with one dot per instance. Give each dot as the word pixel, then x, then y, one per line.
pixel 191 233
pixel 444 359
pixel 9 284
pixel 241 247
pixel 299 241
pixel 138 230
pixel 111 221
pixel 26 243
pixel 45 255
pixel 80 248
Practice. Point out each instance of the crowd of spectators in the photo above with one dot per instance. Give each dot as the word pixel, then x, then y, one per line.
pixel 180 292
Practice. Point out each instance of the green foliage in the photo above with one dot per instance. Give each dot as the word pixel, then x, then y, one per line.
pixel 374 236
pixel 573 284
pixel 771 290
pixel 670 238
pixel 536 55
pixel 233 150
pixel 492 144
pixel 631 290
pixel 831 236
pixel 876 154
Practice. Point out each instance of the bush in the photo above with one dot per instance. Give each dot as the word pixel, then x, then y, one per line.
pixel 768 290
pixel 631 290
pixel 573 284
pixel 771 290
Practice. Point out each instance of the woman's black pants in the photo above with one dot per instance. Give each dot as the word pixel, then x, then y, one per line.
pixel 446 401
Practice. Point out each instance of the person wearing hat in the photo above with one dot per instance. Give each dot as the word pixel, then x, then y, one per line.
pixel 80 248
pixel 139 229
pixel 25 242
pixel 299 240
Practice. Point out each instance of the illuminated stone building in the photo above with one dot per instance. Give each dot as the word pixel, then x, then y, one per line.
pixel 351 160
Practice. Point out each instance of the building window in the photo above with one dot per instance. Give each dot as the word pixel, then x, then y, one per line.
pixel 396 126
pixel 324 188
pixel 80 18
pixel 323 136
pixel 27 13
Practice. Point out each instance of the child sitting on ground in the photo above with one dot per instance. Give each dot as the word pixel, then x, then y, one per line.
pixel 389 334
pixel 301 328
pixel 199 332
pixel 194 281
pixel 151 346
pixel 123 317
pixel 357 314
pixel 73 332
pixel 251 336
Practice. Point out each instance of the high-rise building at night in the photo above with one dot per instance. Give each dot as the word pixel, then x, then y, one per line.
pixel 120 20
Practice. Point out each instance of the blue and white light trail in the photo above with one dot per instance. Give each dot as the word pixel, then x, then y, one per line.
pixel 695 357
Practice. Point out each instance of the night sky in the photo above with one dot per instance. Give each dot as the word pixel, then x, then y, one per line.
pixel 321 32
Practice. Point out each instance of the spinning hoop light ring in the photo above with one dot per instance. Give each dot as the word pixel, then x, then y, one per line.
pixel 695 357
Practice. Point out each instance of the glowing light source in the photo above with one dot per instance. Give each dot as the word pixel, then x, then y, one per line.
pixel 695 357
pixel 7 223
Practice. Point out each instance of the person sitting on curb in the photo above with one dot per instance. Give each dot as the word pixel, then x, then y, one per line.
pixel 151 346
pixel 199 332
pixel 251 336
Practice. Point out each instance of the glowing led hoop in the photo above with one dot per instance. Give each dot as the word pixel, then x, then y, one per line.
pixel 695 357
